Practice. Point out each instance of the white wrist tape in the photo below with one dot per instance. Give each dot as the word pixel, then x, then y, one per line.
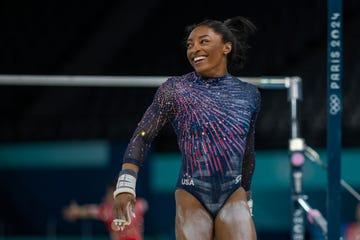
pixel 126 183
pixel 251 205
pixel 250 202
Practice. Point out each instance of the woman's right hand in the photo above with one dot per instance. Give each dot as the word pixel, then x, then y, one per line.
pixel 124 205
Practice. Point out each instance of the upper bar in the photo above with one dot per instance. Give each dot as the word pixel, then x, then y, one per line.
pixel 123 81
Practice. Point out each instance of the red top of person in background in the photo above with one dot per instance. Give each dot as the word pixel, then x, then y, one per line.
pixel 103 211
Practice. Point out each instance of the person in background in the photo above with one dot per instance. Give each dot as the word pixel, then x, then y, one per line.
pixel 103 211
pixel 352 230
pixel 348 231
pixel 213 114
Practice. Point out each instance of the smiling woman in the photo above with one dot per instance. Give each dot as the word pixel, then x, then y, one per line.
pixel 207 53
pixel 213 114
pixel 206 39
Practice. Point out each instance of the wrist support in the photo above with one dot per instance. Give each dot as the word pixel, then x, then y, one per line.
pixel 250 202
pixel 126 182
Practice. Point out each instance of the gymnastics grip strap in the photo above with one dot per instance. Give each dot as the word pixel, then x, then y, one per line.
pixel 250 202
pixel 126 182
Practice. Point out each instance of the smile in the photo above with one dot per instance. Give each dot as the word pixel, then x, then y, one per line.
pixel 198 59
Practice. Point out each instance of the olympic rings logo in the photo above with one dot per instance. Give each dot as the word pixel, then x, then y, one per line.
pixel 334 104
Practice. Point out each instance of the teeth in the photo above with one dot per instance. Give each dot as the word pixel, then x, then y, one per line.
pixel 198 59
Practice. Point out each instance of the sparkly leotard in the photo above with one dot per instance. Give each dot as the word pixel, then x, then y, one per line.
pixel 214 120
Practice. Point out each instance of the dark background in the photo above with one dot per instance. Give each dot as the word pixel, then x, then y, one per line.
pixel 144 38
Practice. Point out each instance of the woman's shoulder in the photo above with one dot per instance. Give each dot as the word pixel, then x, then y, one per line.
pixel 249 86
pixel 177 81
pixel 244 82
pixel 252 92
pixel 180 78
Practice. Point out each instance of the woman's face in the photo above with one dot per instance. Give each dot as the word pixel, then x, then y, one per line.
pixel 206 52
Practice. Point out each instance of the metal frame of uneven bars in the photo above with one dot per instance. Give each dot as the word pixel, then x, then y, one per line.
pixel 292 84
pixel 124 81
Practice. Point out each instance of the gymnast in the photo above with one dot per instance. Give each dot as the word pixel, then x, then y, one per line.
pixel 213 114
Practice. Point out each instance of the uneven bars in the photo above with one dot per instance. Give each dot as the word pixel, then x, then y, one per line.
pixel 124 81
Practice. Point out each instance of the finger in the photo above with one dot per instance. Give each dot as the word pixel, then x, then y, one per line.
pixel 114 227
pixel 118 224
pixel 132 212
pixel 117 211
pixel 128 213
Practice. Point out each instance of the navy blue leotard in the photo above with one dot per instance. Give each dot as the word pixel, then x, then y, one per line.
pixel 214 120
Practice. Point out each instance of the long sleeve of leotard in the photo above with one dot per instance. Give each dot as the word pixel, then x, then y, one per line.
pixel 249 155
pixel 154 118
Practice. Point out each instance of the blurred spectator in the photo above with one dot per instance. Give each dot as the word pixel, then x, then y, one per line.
pixel 103 211
pixel 352 231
